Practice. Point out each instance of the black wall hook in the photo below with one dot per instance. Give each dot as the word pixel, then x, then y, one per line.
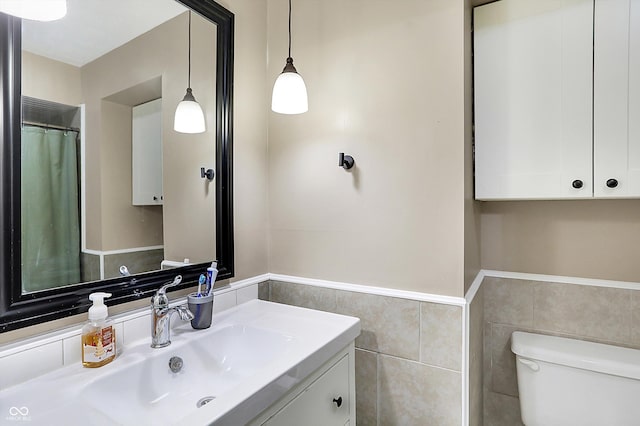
pixel 346 161
pixel 209 173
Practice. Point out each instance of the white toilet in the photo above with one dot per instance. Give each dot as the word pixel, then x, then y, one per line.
pixel 566 382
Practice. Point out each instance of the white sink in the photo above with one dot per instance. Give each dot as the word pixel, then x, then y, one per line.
pixel 250 357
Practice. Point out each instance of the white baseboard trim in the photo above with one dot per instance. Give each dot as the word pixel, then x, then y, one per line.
pixel 475 286
pixel 380 291
pixel 629 285
pixel 236 285
pixel 121 251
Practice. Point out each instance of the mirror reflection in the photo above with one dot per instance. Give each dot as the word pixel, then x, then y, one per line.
pixel 108 187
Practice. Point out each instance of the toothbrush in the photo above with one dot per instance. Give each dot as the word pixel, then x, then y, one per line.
pixel 201 281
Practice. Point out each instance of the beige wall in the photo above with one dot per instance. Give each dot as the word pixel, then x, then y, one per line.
pixel 54 81
pixel 189 201
pixel 386 85
pixel 250 161
pixel 123 225
pixel 471 207
pixel 591 238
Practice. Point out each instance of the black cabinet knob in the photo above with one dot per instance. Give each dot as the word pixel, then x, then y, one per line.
pixel 577 184
pixel 338 401
pixel 612 183
pixel 155 198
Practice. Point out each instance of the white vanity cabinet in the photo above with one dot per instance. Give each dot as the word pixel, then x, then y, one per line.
pixel 146 143
pixel 326 398
pixel 556 104
pixel 616 99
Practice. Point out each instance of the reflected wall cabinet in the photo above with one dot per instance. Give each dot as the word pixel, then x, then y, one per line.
pixel 557 99
pixel 146 143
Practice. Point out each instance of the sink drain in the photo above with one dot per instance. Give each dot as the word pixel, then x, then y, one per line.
pixel 205 401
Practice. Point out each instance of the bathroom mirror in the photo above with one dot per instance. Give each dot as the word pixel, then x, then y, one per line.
pixel 84 95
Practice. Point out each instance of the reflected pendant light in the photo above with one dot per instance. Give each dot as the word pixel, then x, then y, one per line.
pixel 289 91
pixel 36 10
pixel 189 117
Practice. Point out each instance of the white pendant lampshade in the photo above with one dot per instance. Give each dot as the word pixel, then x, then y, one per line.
pixel 37 10
pixel 289 94
pixel 189 117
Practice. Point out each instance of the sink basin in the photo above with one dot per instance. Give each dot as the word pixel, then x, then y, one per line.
pixel 250 357
pixel 211 366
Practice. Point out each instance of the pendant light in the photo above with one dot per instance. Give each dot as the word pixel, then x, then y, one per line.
pixel 36 10
pixel 289 91
pixel 189 117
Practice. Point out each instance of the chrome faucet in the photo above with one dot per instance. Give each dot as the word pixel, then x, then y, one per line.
pixel 161 314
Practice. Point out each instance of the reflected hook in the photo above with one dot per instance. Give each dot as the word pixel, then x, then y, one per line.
pixel 208 173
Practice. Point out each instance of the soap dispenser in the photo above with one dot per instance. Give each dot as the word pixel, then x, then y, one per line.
pixel 98 334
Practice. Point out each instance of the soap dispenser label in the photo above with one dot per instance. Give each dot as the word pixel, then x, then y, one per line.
pixel 98 346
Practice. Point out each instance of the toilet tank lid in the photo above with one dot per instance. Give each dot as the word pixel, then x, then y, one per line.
pixel 615 360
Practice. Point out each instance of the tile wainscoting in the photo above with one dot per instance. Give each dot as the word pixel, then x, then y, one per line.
pixel 409 356
pixel 421 358
pixel 595 310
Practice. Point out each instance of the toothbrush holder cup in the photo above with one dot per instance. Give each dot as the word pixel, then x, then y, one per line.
pixel 202 310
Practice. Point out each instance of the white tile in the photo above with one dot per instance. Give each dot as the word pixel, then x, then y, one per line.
pixel 31 363
pixel 136 329
pixel 246 294
pixel 224 301
pixel 72 350
pixel 119 329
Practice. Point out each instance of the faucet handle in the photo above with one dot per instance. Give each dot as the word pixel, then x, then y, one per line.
pixel 160 299
pixel 185 313
pixel 163 290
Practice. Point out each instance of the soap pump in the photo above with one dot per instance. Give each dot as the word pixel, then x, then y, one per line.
pixel 98 334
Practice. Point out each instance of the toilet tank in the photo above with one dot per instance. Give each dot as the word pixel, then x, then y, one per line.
pixel 571 382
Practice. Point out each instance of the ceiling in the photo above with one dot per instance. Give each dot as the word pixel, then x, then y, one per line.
pixel 92 28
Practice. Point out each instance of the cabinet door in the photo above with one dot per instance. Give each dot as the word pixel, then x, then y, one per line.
pixel 324 403
pixel 617 98
pixel 533 99
pixel 146 142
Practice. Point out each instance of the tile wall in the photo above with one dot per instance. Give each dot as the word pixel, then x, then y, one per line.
pixel 136 261
pixel 599 314
pixel 408 356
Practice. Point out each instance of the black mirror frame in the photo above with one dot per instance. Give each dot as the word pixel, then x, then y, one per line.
pixel 18 310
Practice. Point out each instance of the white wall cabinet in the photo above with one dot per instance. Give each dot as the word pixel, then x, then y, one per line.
pixel 616 99
pixel 326 398
pixel 553 116
pixel 146 142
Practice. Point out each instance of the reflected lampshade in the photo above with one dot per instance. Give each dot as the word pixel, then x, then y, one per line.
pixel 289 92
pixel 37 10
pixel 189 116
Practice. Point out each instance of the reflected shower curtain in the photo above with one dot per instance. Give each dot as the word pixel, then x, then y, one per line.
pixel 49 209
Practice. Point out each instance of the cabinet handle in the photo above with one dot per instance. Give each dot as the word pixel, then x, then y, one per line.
pixel 155 198
pixel 612 183
pixel 338 401
pixel 577 184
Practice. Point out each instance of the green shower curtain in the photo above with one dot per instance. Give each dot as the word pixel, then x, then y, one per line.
pixel 49 206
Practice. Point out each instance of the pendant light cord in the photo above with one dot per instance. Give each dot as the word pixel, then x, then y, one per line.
pixel 289 28
pixel 189 75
